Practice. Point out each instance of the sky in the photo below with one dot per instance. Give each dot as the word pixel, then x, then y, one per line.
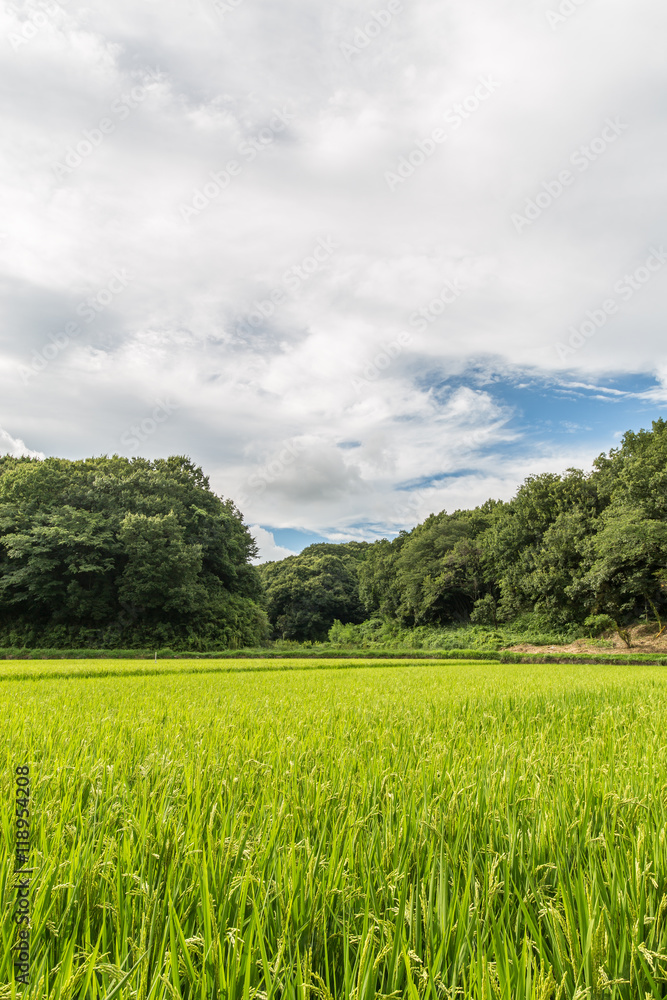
pixel 360 261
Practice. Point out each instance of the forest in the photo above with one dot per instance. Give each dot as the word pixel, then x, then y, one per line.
pixel 568 549
pixel 112 552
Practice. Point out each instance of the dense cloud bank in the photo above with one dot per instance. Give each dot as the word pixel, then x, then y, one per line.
pixel 312 245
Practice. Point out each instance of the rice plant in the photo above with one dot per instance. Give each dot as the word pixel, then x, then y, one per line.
pixel 441 830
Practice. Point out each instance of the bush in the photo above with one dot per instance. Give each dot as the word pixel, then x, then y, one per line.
pixel 535 628
pixel 597 624
pixel 484 611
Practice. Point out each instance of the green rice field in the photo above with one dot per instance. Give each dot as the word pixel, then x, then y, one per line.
pixel 329 830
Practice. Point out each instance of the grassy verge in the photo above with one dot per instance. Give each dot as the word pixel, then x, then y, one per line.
pixel 327 652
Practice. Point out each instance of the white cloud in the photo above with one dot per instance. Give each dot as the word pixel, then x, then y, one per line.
pixel 269 551
pixel 15 447
pixel 186 92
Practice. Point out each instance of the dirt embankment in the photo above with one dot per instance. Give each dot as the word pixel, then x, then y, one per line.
pixel 645 639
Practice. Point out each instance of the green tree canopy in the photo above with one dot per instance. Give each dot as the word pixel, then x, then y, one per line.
pixel 113 551
pixel 566 546
pixel 306 593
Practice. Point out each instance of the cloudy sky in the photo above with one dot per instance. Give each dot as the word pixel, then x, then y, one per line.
pixel 361 261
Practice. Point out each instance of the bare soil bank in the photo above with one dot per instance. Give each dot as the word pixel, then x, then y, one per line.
pixel 645 639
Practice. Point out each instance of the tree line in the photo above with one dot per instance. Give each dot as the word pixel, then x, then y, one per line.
pixel 115 552
pixel 572 547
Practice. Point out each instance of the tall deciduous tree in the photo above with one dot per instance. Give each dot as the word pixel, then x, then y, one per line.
pixel 306 593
